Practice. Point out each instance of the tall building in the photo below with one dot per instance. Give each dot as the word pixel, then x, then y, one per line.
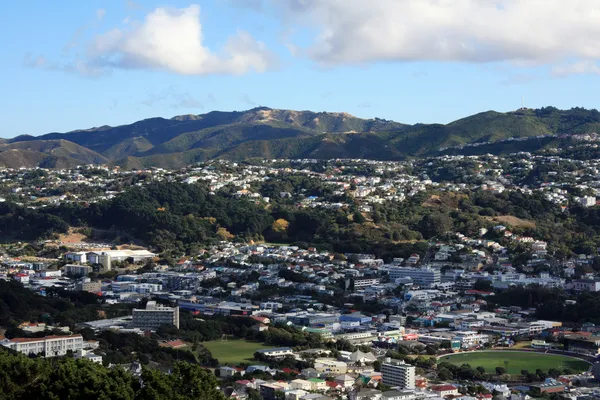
pixel 49 346
pixel 398 373
pixel 425 276
pixel 154 316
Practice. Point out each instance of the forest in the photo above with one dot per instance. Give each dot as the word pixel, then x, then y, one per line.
pixel 64 378
pixel 178 218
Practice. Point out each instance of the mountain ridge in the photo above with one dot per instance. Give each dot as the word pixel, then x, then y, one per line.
pixel 276 133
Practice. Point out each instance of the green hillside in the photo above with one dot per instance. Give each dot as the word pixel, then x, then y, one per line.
pixel 270 133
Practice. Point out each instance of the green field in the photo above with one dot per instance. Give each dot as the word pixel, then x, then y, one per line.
pixel 517 361
pixel 234 351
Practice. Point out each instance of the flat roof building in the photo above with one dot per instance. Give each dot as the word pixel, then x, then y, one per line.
pixel 153 316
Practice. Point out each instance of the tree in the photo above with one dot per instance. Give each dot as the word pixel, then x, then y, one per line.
pixel 253 394
pixel 500 370
pixel 481 370
pixel 358 218
pixel 482 284
pixel 554 373
pixel 435 225
pixel 280 225
pixel 224 234
pixel 186 381
pixel 444 374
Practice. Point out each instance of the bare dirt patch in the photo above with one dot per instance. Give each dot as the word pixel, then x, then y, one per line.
pixel 72 236
pixel 447 200
pixel 513 221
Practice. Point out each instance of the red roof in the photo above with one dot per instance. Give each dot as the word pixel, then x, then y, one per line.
pixel 443 388
pixel 176 343
pixel 332 385
pixel 25 340
pixel 290 371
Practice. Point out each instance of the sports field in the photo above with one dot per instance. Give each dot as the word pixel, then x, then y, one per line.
pixel 517 361
pixel 233 351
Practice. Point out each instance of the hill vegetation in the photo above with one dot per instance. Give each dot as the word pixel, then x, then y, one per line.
pixel 269 133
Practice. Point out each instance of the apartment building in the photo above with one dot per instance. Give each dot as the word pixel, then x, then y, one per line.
pixel 89 286
pixel 425 276
pixel 154 316
pixel 361 283
pixel 398 373
pixel 49 346
pixel 77 270
pixel 586 285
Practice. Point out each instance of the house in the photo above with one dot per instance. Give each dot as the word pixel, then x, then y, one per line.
pixel 301 384
pixel 345 380
pixel 445 390
pixel 295 394
pixel 330 366
pixel 362 358
pixel 317 385
pixel 398 395
pixel 262 368
pixel 260 327
pixel 268 390
pixel 235 393
pixel 261 319
pixel 333 386
pixel 88 355
pixel 365 394
pixel 227 372
pixel 315 396
pixel 278 352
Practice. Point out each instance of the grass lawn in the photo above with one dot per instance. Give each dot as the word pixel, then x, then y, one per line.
pixel 517 361
pixel 234 351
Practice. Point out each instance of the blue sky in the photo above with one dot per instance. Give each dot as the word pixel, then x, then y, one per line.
pixel 90 63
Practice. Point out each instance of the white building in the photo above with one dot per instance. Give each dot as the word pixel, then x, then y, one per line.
pixel 361 283
pixel 76 256
pixel 425 276
pixel 470 339
pixel 398 373
pixel 106 258
pixel 586 285
pixel 330 366
pixel 154 316
pixel 277 352
pixel 50 273
pixel 49 346
pixel 587 201
pixel 88 355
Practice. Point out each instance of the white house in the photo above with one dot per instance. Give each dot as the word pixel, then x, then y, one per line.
pixel 277 352
pixel 445 390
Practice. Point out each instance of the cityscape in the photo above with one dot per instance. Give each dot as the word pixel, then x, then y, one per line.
pixel 300 200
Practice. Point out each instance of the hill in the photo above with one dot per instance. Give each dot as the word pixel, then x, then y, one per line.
pixel 270 133
pixel 47 154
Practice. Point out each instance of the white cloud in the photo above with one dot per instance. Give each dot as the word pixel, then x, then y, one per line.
pixel 172 40
pixel 577 68
pixel 528 32
pixel 100 13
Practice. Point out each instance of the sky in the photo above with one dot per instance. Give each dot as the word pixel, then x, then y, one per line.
pixel 79 64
